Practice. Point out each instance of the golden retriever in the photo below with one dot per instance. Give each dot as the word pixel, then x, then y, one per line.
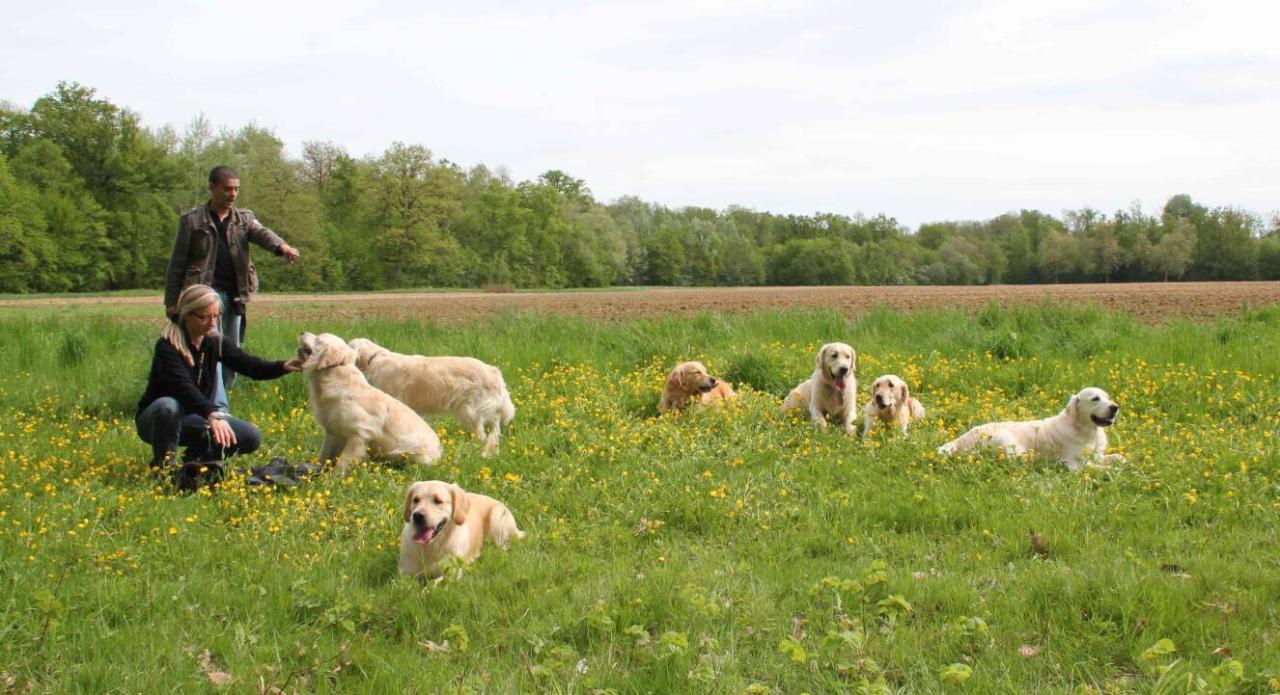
pixel 357 418
pixel 690 380
pixel 442 520
pixel 832 389
pixel 890 403
pixel 1075 436
pixel 466 388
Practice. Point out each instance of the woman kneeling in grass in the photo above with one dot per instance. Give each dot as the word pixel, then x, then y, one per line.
pixel 178 407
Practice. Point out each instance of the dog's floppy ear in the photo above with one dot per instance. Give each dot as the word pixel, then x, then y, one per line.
pixel 460 504
pixel 408 503
pixel 904 393
pixel 1073 407
pixel 822 352
pixel 673 379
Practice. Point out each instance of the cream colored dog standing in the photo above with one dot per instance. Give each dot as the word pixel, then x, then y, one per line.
pixel 831 391
pixel 1075 436
pixel 890 403
pixel 442 520
pixel 356 417
pixel 690 380
pixel 471 391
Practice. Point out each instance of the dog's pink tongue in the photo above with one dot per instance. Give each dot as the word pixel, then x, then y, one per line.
pixel 425 535
pixel 840 382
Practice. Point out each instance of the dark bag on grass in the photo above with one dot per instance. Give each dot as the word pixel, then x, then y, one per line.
pixel 280 472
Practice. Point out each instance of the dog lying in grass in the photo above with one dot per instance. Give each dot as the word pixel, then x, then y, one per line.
pixel 832 389
pixel 890 403
pixel 357 418
pixel 441 520
pixel 690 381
pixel 1076 436
pixel 473 392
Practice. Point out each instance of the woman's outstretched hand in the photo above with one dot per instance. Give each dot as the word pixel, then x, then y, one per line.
pixel 293 365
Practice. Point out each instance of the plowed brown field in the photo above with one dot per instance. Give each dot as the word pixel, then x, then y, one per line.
pixel 1151 302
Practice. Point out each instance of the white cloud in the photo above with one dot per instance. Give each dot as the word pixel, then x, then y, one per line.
pixel 922 111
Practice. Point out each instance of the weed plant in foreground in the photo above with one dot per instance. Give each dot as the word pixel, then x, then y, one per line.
pixel 722 550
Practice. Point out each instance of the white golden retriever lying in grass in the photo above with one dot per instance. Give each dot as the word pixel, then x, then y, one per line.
pixel 442 520
pixel 690 380
pixel 356 417
pixel 1075 436
pixel 890 403
pixel 466 388
pixel 832 390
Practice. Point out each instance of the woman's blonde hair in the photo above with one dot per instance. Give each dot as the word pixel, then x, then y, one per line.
pixel 192 299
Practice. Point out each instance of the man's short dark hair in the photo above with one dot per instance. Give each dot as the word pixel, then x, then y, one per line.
pixel 220 174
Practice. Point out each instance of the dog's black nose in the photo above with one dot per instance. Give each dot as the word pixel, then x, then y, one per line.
pixel 712 380
pixel 419 519
pixel 842 371
pixel 1114 409
pixel 879 400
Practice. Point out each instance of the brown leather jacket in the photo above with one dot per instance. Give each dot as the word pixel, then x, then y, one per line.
pixel 196 247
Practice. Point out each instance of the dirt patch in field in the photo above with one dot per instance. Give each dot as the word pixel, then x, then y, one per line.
pixel 1150 302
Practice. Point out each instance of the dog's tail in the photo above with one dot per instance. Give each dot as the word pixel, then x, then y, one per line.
pixel 507 409
pixel 917 410
pixel 502 526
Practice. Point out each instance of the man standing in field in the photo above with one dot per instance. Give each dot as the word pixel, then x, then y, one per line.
pixel 212 248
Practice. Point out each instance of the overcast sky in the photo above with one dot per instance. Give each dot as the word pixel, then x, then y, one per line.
pixel 923 111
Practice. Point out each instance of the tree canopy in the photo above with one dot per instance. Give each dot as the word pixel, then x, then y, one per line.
pixel 89 201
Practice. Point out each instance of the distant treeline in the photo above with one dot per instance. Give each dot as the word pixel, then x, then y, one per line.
pixel 89 201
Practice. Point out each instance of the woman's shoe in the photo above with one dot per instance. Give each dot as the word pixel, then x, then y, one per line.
pixel 161 465
pixel 192 475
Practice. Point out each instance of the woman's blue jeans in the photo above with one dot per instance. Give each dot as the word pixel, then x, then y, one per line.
pixel 164 426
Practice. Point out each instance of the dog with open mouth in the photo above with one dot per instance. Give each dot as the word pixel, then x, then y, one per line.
pixel 1077 436
pixel 690 381
pixel 831 391
pixel 441 520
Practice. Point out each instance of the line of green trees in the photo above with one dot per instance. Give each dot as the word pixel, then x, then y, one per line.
pixel 89 201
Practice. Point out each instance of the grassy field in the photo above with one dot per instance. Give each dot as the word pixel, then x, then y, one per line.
pixel 728 550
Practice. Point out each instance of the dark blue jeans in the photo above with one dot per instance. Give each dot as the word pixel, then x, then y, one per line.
pixel 164 426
